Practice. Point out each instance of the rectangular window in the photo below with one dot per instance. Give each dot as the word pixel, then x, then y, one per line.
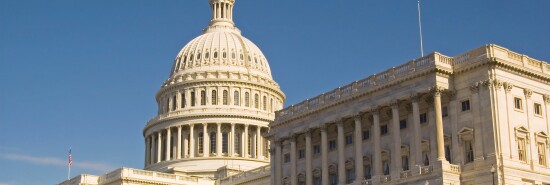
pixel 542 153
pixel 316 149
pixel 423 118
pixel 349 139
pixel 316 180
pixel 517 103
pixel 366 135
pixel 405 163
pixel 333 178
pixel 403 124
pixel 448 153
pixel 384 129
pixel 224 142
pixel 469 151
pixel 538 109
pixel 521 150
pixel 287 158
pixel 301 154
pixel 445 112
pixel 332 145
pixel 350 176
pixel 465 105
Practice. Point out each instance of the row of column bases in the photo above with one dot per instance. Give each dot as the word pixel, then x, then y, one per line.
pixel 155 141
pixel 377 170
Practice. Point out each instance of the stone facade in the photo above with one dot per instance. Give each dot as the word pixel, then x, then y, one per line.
pixel 471 119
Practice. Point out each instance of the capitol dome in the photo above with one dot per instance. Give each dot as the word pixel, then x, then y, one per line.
pixel 215 106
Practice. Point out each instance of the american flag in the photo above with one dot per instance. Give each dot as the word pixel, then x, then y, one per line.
pixel 70 158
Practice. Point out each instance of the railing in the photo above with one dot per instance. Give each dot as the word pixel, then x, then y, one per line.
pixel 264 170
pixel 416 66
pixel 385 178
pixel 405 174
pixel 366 182
pixel 452 168
pixel 426 169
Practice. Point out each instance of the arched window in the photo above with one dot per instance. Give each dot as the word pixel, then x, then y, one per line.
pixel 206 55
pixel 191 57
pixel 200 140
pixel 215 54
pixel 242 57
pixel 214 97
pixel 183 100
pixel 224 54
pixel 271 105
pixel 212 142
pixel 237 144
pixel 264 103
pixel 225 100
pixel 198 56
pixel 233 55
pixel 174 103
pixel 203 97
pixel 266 146
pixel 247 99
pixel 236 98
pixel 167 104
pixel 224 142
pixel 192 99
pixel 256 101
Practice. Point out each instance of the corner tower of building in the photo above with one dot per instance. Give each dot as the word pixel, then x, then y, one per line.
pixel 215 106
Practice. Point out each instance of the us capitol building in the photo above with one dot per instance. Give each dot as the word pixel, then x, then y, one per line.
pixel 477 118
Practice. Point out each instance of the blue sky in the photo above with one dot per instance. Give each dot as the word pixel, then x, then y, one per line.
pixel 84 73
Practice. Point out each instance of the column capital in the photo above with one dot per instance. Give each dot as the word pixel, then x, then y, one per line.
pixel 246 126
pixel 475 88
pixel 232 124
pixel 375 110
pixel 527 92
pixel 323 127
pixel 219 124
pixel 308 132
pixel 437 90
pixel 205 124
pixel 546 98
pixel 340 122
pixel 415 97
pixel 508 86
pixel 394 104
pixel 358 116
pixel 179 126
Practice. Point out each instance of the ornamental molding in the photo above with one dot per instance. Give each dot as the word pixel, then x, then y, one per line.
pixel 210 83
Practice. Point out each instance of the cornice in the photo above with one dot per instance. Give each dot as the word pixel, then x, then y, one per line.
pixel 153 122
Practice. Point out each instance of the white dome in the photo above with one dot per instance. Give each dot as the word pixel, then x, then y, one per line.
pixel 221 48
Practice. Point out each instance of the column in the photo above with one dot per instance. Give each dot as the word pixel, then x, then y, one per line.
pixel 273 166
pixel 191 141
pixel 152 149
pixel 377 158
pixel 205 138
pixel 396 136
pixel 309 168
pixel 258 142
pixel 324 155
pixel 278 163
pixel 185 143
pixel 232 141
pixel 178 154
pixel 293 161
pixel 341 159
pixel 416 149
pixel 159 146
pixel 439 125
pixel 359 174
pixel 219 140
pixel 245 141
pixel 168 143
pixel 147 151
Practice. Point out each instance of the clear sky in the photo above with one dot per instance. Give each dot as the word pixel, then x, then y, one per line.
pixel 85 73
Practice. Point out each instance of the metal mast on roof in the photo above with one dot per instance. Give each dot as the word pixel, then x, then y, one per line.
pixel 420 26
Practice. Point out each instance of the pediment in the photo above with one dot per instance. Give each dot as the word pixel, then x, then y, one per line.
pixel 521 129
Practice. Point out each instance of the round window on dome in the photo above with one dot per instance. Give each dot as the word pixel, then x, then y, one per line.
pixel 215 54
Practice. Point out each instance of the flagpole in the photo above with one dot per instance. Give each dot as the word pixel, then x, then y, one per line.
pixel 420 26
pixel 69 175
pixel 70 163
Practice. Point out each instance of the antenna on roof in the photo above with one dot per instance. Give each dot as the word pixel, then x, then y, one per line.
pixel 420 26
